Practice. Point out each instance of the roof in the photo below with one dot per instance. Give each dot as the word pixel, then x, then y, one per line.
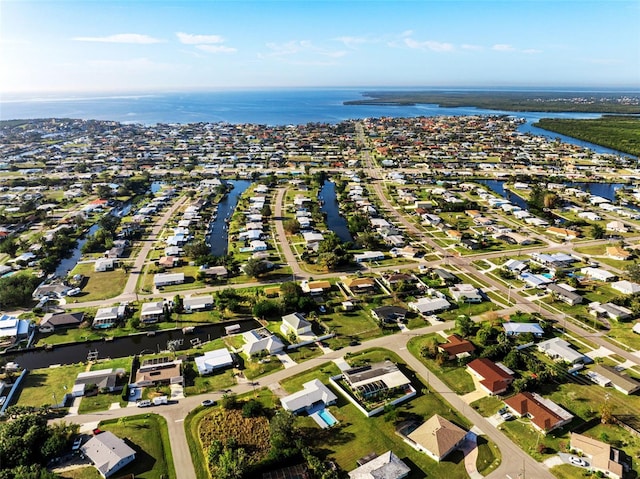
pixel 600 453
pixel 213 359
pixel 621 381
pixel 62 319
pixel 296 321
pixel 559 347
pixel 154 307
pixel 106 451
pixel 385 371
pixel 359 282
pixel 457 345
pixel 313 392
pixel 527 404
pixel 438 435
pixel 197 301
pixel 495 379
pixel 385 466
pixel 520 328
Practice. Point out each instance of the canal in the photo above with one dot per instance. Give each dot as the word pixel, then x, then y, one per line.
pixel 124 346
pixel 218 237
pixel 329 206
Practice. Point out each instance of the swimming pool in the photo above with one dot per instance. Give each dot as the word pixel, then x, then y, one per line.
pixel 327 417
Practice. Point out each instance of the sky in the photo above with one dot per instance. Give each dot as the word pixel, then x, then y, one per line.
pixel 155 45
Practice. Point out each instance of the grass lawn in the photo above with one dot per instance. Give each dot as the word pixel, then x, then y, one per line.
pixel 40 385
pixel 304 353
pixel 454 376
pixel 487 406
pixel 254 368
pixel 221 379
pixel 99 285
pixel 87 472
pixel 148 435
pixel 567 471
pixel 489 457
pixel 322 372
pixel 100 402
pixel 469 309
pixel 622 332
pixel 354 323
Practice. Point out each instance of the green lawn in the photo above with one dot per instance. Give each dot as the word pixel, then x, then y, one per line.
pixel 40 385
pixel 99 285
pixel 454 376
pixel 322 372
pixel 487 406
pixel 489 457
pixel 304 353
pixel 221 379
pixel 100 402
pixel 255 368
pixel 567 471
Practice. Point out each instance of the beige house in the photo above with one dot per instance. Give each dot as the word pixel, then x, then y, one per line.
pixel 613 462
pixel 437 437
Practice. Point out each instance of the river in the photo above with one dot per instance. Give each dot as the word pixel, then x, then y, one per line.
pixel 329 205
pixel 124 346
pixel 218 238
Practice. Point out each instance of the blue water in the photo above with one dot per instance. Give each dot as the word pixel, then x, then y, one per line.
pixel 268 107
pixel 327 417
pixel 335 221
pixel 219 235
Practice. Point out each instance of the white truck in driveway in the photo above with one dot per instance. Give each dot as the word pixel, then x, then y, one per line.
pixel 157 401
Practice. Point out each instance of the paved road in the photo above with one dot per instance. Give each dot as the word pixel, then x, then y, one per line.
pixel 513 459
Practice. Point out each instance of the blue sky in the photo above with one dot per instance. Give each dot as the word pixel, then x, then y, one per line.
pixel 96 45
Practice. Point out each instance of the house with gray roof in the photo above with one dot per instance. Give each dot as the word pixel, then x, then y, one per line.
pixel 385 466
pixel 108 453
pixel 314 393
pixel 620 381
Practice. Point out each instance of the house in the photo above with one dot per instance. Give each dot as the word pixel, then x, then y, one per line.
pixel 428 306
pixel 152 312
pixel 616 252
pixel 466 293
pixel 514 329
pixel 622 382
pixel 197 303
pixel 167 279
pixel 156 371
pixel 315 287
pixel 212 360
pixel 261 341
pixel 610 310
pixel 389 314
pixel 626 287
pixel 437 437
pixel 218 272
pixel 373 379
pixel 563 232
pixel 456 347
pixel 560 350
pixel 312 238
pixel 108 453
pixel 107 317
pixel 314 394
pixel 359 285
pixel 395 279
pixel 492 377
pixel 515 265
pixel 545 415
pixel 257 245
pixel 385 466
pixel 103 264
pixel 52 321
pixel 296 324
pixel 368 256
pixel 565 293
pixel 617 226
pixel 554 260
pixel 613 462
pixel 599 274
pixel 103 379
pixel 169 261
pixel 51 290
pixel 447 277
pixel 535 280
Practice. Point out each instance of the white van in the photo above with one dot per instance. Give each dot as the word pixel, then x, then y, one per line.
pixel 144 403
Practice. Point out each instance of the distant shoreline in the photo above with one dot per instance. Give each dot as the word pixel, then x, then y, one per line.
pixel 618 102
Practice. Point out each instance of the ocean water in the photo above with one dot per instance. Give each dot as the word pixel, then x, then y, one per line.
pixel 266 107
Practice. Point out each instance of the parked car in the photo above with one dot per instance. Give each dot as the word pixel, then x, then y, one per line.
pixel 208 402
pixel 505 414
pixel 76 444
pixel 144 403
pixel 576 461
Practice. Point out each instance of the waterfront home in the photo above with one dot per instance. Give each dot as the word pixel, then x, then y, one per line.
pixel 610 310
pixel 368 256
pixel 101 379
pixel 103 264
pixel 197 303
pixel 261 340
pixel 56 321
pixel 52 290
pixel 152 312
pixel 257 245
pixel 156 371
pixel 437 437
pixel 108 453
pixel 314 394
pixel 545 415
pixel 13 330
pixel 494 378
pixel 212 360
pixel 385 466
pixel 107 317
pixel 613 463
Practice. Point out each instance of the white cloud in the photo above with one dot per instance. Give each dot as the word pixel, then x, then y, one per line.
pixel 429 45
pixel 475 48
pixel 353 42
pixel 216 48
pixel 136 38
pixel 503 47
pixel 295 47
pixel 190 39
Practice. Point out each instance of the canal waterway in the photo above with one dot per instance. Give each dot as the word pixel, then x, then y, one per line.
pixel 124 346
pixel 67 264
pixel 218 237
pixel 329 206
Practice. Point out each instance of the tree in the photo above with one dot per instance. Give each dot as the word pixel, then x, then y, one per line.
pixel 232 464
pixel 291 226
pixel 597 231
pixel 266 309
pixel 251 408
pixel 464 325
pixel 255 267
pixel 265 211
pixel 633 271
pixel 282 430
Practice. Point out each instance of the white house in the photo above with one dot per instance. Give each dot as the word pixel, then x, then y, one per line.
pixel 166 279
pixel 368 256
pixel 466 293
pixel 559 349
pixel 599 274
pixel 197 303
pixel 626 287
pixel 429 305
pixel 261 340
pixel 313 394
pixel 211 360
pixel 103 264
pixel 108 453
pixel 151 312
pixel 295 323
pixel 617 226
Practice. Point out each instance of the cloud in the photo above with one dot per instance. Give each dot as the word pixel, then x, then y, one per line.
pixel 216 48
pixel 295 47
pixel 134 64
pixel 429 45
pixel 190 39
pixel 503 47
pixel 353 42
pixel 475 48
pixel 135 38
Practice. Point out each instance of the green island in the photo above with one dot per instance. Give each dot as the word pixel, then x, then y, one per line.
pixel 621 133
pixel 612 102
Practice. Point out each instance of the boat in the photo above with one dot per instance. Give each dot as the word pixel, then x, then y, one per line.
pixel 188 329
pixel 234 328
pixel 151 333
